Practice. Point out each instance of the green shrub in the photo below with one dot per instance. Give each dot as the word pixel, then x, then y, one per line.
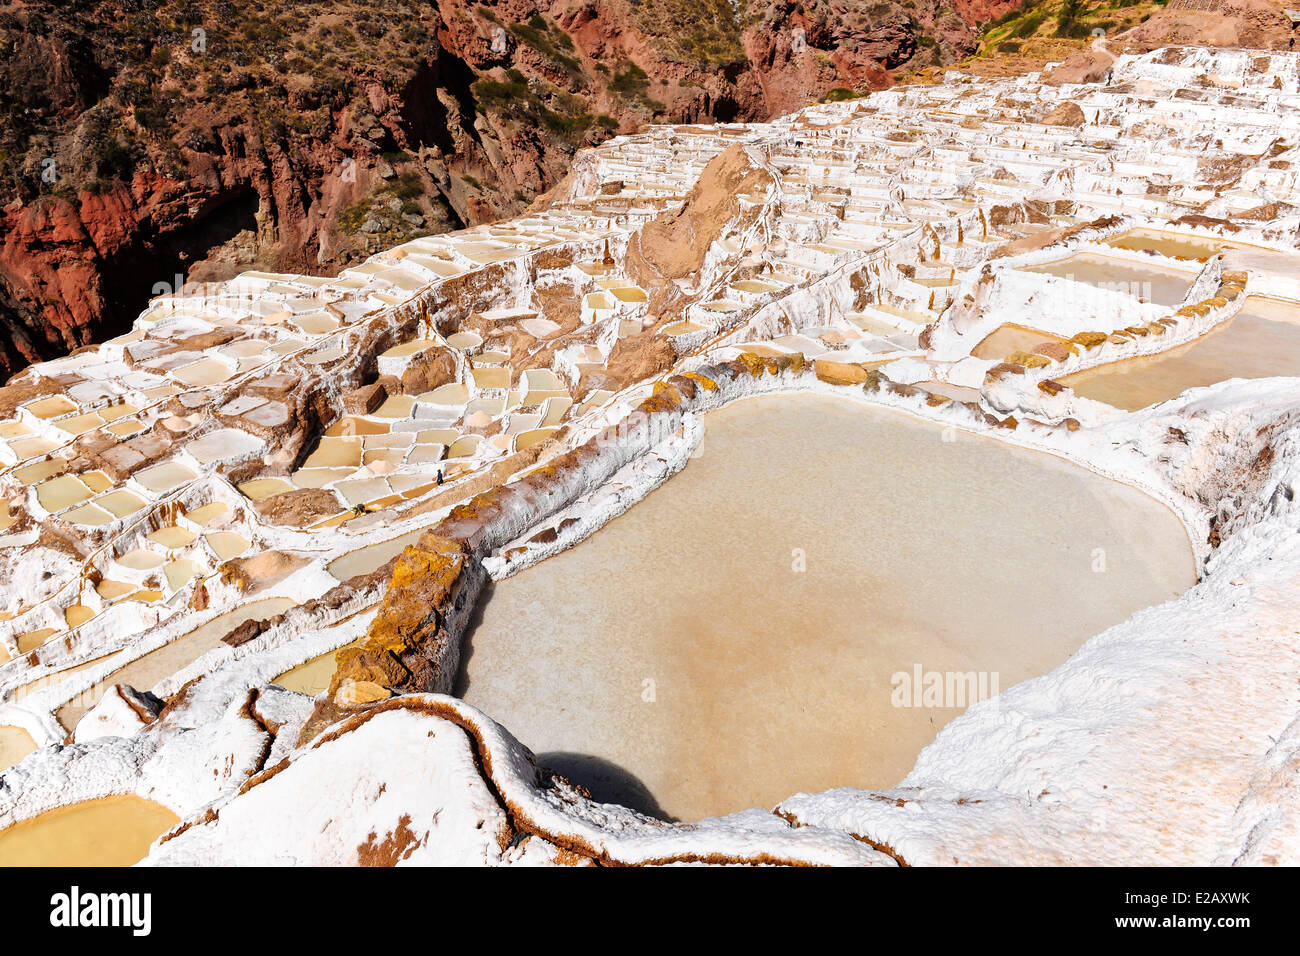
pixel 113 159
pixel 537 33
pixel 406 186
pixel 1030 24
pixel 1067 19
pixel 630 81
pixel 497 93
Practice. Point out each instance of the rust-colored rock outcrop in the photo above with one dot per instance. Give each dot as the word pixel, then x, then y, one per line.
pixel 425 581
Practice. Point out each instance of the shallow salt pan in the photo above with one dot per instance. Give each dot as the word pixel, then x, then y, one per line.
pixel 1165 287
pixel 731 640
pixel 51 407
pixel 206 372
pixel 1175 245
pixel 15 744
pixel 224 443
pixel 310 677
pixel 112 831
pixel 1010 338
pixel 259 489
pixel 146 671
pixel 62 492
pixel 1261 341
pixel 164 477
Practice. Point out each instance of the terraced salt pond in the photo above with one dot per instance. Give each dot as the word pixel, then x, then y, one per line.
pixel 1165 287
pixel 678 661
pixel 1174 245
pixel 1009 338
pixel 15 744
pixel 1262 340
pixel 146 671
pixel 311 677
pixel 112 831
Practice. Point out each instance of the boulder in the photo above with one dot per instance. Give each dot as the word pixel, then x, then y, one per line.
pixel 365 399
pixel 358 693
pixel 839 373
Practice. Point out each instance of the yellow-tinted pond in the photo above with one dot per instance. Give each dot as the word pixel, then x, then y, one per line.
pixel 367 559
pixel 15 744
pixel 310 677
pixel 111 831
pixel 1261 341
pixel 1167 243
pixel 731 640
pixel 1010 338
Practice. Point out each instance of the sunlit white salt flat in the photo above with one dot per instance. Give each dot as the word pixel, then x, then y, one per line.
pixel 224 443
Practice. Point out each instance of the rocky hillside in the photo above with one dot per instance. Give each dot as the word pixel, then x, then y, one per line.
pixel 144 142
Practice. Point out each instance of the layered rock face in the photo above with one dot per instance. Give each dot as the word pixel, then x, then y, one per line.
pixel 147 145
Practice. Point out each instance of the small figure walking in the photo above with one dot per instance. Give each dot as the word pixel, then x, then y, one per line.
pixel 440 476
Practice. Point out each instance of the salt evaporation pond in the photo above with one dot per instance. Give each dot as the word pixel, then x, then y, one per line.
pixel 1009 338
pixel 1261 341
pixel 964 555
pixel 1165 287
pixel 112 831
pixel 1170 244
pixel 147 670
pixel 15 744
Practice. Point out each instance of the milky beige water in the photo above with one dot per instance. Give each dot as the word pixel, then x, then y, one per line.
pixel 731 639
pixel 311 677
pixel 112 831
pixel 1010 338
pixel 1165 287
pixel 1261 341
pixel 1169 244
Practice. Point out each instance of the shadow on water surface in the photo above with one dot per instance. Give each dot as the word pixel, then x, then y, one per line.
pixel 461 686
pixel 606 782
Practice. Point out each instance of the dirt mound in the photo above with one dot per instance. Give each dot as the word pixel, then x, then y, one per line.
pixel 674 243
pixel 300 507
pixel 1067 114
pixel 1085 67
